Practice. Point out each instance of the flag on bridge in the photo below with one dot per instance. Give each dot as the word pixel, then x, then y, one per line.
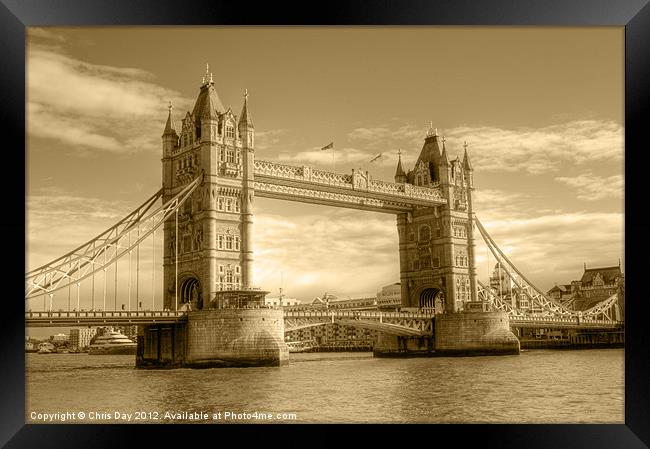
pixel 328 146
pixel 377 158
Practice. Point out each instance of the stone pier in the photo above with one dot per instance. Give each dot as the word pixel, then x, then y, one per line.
pixel 215 338
pixel 474 333
pixel 455 334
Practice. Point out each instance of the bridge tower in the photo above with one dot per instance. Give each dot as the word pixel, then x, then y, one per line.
pixel 436 244
pixel 212 238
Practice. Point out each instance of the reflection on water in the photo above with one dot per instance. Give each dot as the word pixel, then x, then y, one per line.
pixel 540 386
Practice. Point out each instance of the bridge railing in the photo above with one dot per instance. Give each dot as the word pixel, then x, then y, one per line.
pixel 356 314
pixel 105 314
pixel 569 320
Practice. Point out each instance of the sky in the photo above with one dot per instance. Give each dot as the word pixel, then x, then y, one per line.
pixel 541 110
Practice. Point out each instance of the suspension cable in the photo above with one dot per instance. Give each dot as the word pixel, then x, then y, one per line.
pixel 61 274
pixel 153 271
pixel 176 242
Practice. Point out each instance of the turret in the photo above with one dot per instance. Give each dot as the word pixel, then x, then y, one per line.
pixel 169 136
pixel 444 166
pixel 245 125
pixel 467 166
pixel 400 176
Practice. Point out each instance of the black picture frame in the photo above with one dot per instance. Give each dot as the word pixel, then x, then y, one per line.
pixel 634 15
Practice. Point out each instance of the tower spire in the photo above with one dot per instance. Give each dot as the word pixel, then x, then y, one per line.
pixel 443 157
pixel 400 176
pixel 245 118
pixel 466 163
pixel 169 126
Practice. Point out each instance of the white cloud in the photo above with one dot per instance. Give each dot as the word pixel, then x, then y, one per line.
pixel 539 150
pixel 83 104
pixel 532 150
pixel 265 140
pixel 324 158
pixel 592 188
pixel 341 251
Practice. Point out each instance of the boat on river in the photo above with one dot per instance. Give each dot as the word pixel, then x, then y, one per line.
pixel 111 342
pixel 301 346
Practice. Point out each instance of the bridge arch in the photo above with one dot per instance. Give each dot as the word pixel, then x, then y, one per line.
pixel 190 291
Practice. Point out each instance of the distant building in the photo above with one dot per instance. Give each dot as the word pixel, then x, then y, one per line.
pixel 59 337
pixel 595 285
pixel 286 302
pixel 364 303
pixel 502 286
pixel 561 292
pixel 390 296
pixel 80 337
pixel 331 333
pixel 598 284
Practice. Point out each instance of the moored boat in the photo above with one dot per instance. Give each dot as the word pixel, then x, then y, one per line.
pixel 301 346
pixel 111 342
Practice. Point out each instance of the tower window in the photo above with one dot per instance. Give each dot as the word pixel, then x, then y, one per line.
pixel 229 242
pixel 230 131
pixel 230 154
pixel 425 234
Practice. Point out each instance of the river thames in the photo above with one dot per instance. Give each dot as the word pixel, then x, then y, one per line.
pixel 537 386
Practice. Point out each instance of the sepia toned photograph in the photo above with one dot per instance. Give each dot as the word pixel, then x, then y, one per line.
pixel 231 225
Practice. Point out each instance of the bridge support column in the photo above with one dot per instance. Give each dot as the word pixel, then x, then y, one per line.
pixel 474 333
pixel 215 338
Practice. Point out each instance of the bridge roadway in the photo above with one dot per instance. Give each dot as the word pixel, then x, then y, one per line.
pixel 399 323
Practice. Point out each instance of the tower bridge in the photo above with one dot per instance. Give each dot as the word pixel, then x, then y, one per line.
pixel 211 309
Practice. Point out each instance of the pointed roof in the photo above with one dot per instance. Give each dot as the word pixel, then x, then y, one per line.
pixel 207 103
pixel 246 118
pixel 400 170
pixel 466 164
pixel 431 148
pixel 170 129
pixel 443 157
pixel 607 274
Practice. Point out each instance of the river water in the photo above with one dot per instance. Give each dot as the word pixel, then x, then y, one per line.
pixel 537 386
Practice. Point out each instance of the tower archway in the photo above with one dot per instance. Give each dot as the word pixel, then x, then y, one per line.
pixel 431 298
pixel 190 293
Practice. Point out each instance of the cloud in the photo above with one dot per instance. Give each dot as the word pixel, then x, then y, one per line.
pixel 540 150
pixel 83 104
pixel 44 34
pixel 531 150
pixel 342 251
pixel 58 222
pixel 324 158
pixel 265 140
pixel 592 188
